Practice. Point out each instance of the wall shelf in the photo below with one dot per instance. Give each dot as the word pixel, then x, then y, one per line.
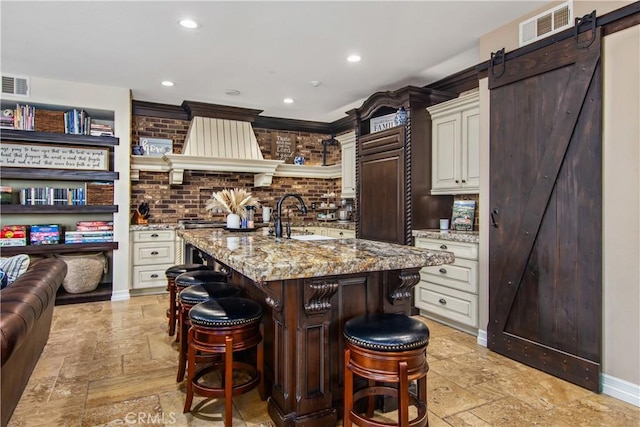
pixel 58 138
pixel 58 249
pixel 49 209
pixel 101 293
pixel 58 174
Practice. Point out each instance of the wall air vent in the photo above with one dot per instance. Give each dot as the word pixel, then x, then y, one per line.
pixel 15 85
pixel 546 23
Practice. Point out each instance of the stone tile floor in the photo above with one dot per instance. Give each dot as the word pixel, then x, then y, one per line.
pixel 112 363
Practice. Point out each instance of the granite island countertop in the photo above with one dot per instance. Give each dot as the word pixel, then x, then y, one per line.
pixel 451 235
pixel 263 258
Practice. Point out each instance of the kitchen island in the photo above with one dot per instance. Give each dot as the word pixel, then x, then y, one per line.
pixel 308 290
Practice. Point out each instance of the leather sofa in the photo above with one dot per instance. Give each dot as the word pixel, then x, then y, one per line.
pixel 26 311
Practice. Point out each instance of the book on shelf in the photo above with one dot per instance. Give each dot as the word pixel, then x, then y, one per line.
pixel 77 122
pixel 52 196
pixel 101 128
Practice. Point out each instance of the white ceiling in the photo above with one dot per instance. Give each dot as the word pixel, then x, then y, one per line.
pixel 266 50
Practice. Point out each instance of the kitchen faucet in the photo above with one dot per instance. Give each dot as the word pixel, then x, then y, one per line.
pixel 303 209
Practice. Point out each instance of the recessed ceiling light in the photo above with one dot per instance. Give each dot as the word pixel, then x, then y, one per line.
pixel 288 100
pixel 167 83
pixel 232 92
pixel 188 23
pixel 315 83
pixel 353 58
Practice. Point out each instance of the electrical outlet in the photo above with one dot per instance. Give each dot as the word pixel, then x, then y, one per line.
pixel 313 206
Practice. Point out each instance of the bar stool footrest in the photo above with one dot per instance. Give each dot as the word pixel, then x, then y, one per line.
pixel 419 421
pixel 238 389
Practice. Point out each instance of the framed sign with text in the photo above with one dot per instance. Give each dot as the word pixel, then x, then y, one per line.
pixel 17 155
pixel 283 147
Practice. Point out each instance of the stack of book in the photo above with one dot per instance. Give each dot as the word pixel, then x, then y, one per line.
pixel 77 122
pixel 90 232
pixel 6 119
pixel 52 196
pixel 24 117
pixel 101 128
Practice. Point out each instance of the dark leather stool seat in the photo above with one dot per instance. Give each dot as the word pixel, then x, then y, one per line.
pixel 189 297
pixel 196 277
pixel 199 277
pixel 171 273
pixel 386 348
pixel 223 327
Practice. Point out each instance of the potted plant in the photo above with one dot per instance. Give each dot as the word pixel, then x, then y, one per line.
pixel 234 203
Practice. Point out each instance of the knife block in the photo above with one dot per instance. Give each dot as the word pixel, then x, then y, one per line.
pixel 138 219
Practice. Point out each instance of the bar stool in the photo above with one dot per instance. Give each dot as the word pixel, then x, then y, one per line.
pixel 223 327
pixel 188 298
pixel 171 273
pixel 386 348
pixel 195 277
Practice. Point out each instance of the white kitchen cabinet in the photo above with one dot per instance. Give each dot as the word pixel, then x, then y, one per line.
pixel 340 233
pixel 449 293
pixel 455 146
pixel 153 251
pixel 348 144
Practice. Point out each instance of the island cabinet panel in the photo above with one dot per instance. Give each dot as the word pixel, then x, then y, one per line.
pixel 303 340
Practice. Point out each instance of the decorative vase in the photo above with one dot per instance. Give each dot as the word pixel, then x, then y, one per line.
pixel 298 160
pixel 233 220
pixel 401 117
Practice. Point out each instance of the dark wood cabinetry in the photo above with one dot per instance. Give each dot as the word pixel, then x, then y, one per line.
pixel 393 168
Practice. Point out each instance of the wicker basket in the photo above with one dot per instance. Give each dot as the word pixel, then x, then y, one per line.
pixel 99 194
pixel 84 271
pixel 49 121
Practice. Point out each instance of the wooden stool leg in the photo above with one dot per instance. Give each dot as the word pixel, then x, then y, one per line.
pixel 228 382
pixel 172 307
pixel 348 390
pixel 260 365
pixel 191 372
pixel 403 395
pixel 183 347
pixel 371 400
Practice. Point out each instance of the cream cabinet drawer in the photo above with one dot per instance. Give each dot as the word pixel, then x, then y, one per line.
pixel 459 249
pixel 458 306
pixel 341 234
pixel 153 235
pixel 461 275
pixel 153 253
pixel 151 276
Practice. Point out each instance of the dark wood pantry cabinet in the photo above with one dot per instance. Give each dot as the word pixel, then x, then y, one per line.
pixel 393 167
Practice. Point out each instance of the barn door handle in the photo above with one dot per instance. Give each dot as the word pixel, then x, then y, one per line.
pixel 494 212
pixel 589 20
pixel 497 58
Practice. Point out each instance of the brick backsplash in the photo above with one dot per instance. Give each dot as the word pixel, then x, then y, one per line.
pixel 169 203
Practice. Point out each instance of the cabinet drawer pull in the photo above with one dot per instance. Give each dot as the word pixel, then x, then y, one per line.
pixel 154 276
pixel 154 253
pixel 443 270
pixel 443 247
pixel 442 301
pixel 341 233
pixel 154 235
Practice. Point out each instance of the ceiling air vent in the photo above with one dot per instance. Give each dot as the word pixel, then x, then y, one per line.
pixel 546 23
pixel 15 85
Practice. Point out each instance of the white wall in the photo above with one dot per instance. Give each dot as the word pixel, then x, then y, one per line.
pixel 118 100
pixel 621 197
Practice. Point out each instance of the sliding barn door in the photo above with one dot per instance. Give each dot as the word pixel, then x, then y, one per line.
pixel 545 237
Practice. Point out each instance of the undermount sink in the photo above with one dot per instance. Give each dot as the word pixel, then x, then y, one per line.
pixel 312 237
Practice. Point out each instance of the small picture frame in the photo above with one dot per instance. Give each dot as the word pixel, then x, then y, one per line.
pixel 463 216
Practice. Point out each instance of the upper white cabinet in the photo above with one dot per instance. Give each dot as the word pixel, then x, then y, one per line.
pixel 348 144
pixel 455 145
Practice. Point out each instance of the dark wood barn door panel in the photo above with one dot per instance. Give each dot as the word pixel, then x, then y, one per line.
pixel 545 269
